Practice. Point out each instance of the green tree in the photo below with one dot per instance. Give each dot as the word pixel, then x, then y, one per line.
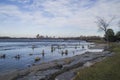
pixel 110 36
pixel 118 36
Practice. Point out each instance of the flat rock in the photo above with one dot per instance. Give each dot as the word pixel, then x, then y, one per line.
pixel 65 76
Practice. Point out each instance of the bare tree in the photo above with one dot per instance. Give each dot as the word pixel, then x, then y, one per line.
pixel 103 24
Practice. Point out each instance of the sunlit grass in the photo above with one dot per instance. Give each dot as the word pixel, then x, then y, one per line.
pixel 109 69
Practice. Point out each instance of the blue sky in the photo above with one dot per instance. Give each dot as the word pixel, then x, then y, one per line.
pixel 60 18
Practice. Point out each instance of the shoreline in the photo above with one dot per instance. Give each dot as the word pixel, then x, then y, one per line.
pixel 57 69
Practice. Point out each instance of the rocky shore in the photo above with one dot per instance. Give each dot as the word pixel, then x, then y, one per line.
pixel 62 69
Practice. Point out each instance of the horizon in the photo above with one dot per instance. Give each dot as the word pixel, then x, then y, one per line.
pixel 51 36
pixel 59 18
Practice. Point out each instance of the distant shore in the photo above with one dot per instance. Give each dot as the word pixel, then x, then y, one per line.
pixel 58 69
pixel 37 40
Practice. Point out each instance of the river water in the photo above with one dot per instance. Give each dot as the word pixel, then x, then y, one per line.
pixel 28 51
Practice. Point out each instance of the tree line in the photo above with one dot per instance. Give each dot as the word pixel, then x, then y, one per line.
pixel 38 36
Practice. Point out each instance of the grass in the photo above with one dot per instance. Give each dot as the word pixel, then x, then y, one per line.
pixel 108 69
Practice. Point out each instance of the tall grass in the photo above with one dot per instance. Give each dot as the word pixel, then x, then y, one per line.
pixel 108 69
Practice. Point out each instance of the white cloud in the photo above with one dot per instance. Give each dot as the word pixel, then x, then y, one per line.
pixel 80 14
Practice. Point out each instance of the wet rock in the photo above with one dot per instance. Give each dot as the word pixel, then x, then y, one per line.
pixel 66 52
pixel 2 56
pixel 31 54
pixel 58 66
pixel 37 59
pixel 17 56
pixel 43 53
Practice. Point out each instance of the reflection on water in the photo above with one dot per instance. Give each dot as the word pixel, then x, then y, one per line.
pixel 19 55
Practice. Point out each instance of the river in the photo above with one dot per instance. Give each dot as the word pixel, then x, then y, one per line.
pixel 45 50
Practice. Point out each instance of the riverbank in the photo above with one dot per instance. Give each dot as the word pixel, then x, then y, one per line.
pixel 108 69
pixel 58 69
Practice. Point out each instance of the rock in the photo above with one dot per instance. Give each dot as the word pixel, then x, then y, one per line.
pixel 31 54
pixel 58 66
pixel 17 56
pixel 2 56
pixel 88 64
pixel 40 75
pixel 37 59
pixel 66 52
pixel 65 76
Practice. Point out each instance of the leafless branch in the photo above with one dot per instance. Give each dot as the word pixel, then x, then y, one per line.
pixel 103 24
